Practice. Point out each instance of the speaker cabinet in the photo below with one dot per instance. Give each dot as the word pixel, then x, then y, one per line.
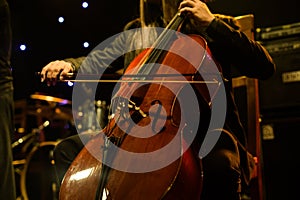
pixel 282 89
pixel 280 156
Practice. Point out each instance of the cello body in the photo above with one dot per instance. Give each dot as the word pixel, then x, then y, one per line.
pixel 147 150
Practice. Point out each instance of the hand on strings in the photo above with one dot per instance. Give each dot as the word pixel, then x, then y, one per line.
pixel 55 71
pixel 198 11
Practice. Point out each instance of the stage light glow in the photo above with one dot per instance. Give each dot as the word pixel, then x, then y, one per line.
pixel 23 47
pixel 70 83
pixel 85 4
pixel 86 44
pixel 61 19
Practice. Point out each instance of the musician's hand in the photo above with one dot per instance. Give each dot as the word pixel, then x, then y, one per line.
pixel 198 11
pixel 55 71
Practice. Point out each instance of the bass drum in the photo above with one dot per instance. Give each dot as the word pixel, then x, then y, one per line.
pixel 38 180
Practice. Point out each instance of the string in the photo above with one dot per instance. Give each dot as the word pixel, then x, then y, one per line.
pixel 152 57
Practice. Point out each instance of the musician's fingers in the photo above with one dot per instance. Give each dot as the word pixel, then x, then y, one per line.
pixel 44 73
pixel 51 77
pixel 66 68
pixel 47 71
pixel 186 4
pixel 51 82
pixel 61 75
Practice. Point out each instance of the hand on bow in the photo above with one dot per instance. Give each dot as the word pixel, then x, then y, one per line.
pixel 55 71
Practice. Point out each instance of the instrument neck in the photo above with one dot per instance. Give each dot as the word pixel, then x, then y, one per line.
pixel 162 43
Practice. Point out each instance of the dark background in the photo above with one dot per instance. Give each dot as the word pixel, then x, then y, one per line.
pixel 35 24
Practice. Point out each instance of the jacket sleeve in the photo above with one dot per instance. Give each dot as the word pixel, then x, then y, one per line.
pixel 107 56
pixel 76 62
pixel 248 56
pixel 101 59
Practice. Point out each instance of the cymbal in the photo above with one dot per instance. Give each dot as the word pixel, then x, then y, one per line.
pixel 50 113
pixel 50 99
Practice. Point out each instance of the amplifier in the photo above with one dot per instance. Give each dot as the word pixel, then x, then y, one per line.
pixel 282 46
pixel 282 89
pixel 268 33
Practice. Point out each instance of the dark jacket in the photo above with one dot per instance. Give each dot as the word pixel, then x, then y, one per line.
pixel 6 79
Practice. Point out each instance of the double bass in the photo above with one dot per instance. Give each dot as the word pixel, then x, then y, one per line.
pixel 149 148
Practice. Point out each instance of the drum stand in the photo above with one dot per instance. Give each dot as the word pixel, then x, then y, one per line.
pixel 36 170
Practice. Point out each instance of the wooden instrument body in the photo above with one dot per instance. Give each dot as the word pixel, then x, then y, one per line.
pixel 148 155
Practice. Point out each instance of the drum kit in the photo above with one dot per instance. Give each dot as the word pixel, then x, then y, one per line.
pixel 50 119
